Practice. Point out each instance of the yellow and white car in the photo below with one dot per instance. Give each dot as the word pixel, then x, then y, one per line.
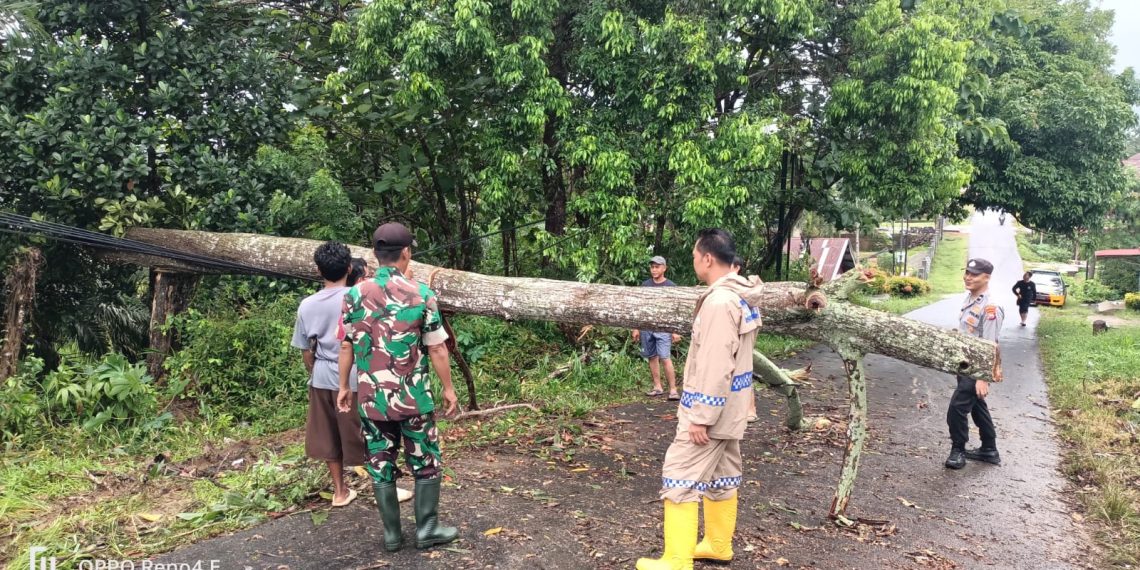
pixel 1050 287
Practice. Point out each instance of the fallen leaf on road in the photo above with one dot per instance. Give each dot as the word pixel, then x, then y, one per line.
pixel 319 517
pixel 907 503
pixel 150 517
pixel 1077 517
pixel 493 531
pixel 580 469
pixel 782 561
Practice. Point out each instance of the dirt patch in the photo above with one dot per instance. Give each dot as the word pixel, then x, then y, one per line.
pixel 1114 321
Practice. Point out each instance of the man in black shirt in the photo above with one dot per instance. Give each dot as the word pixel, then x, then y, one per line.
pixel 1026 292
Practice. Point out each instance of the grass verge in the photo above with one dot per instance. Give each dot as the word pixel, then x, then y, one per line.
pixel 1095 393
pixel 945 278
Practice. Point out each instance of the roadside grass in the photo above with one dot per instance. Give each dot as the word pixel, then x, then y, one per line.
pixel 945 279
pixel 103 495
pixel 1042 254
pixel 1027 253
pixel 1094 388
pixel 91 494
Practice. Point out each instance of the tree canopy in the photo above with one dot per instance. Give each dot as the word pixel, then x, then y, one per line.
pixel 566 139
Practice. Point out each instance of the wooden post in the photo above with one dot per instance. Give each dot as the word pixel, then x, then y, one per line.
pixel 20 299
pixel 453 347
pixel 856 428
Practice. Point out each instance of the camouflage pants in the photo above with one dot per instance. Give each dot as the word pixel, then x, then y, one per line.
pixel 421 447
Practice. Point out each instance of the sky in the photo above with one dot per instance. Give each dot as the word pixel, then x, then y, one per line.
pixel 1125 32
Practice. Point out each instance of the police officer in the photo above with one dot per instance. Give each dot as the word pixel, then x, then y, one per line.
pixel 982 318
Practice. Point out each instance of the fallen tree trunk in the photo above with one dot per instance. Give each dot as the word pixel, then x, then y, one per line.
pixel 787 308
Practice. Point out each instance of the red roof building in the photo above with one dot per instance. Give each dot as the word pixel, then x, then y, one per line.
pixel 832 255
pixel 1118 252
pixel 1133 162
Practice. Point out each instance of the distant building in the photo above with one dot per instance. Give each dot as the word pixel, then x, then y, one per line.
pixel 1103 254
pixel 1133 163
pixel 832 255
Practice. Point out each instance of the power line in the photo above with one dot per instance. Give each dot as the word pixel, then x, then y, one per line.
pixel 23 225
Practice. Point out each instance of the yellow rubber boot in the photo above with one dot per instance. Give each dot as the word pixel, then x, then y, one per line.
pixel 680 538
pixel 720 524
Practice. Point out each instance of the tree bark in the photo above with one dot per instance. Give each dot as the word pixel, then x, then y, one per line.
pixel 788 308
pixel 856 428
pixel 20 298
pixel 783 382
pixel 172 292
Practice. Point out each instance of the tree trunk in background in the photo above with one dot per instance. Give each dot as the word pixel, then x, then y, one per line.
pixel 788 308
pixel 171 296
pixel 19 301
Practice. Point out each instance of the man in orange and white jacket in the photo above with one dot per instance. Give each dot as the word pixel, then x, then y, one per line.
pixel 704 459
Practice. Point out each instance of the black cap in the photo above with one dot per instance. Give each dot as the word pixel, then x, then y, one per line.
pixel 392 235
pixel 978 266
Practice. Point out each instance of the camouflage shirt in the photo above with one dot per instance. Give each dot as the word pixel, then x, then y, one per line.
pixel 391 320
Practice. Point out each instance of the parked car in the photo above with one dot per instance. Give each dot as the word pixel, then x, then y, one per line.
pixel 1050 288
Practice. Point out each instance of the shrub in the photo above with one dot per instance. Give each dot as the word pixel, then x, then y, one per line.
pixel 1050 252
pixel 1132 301
pixel 1093 291
pixel 112 390
pixel 906 286
pixel 877 280
pixel 885 260
pixel 1120 274
pixel 239 359
pixel 19 404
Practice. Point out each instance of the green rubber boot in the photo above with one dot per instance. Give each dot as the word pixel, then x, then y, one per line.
pixel 389 505
pixel 428 530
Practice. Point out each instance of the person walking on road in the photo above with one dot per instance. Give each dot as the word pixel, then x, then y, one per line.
pixel 704 462
pixel 1026 292
pixel 979 318
pixel 657 347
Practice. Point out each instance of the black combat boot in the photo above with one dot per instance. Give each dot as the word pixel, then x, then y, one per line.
pixel 389 505
pixel 957 459
pixel 428 530
pixel 986 453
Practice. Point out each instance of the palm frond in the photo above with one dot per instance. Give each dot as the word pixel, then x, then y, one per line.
pixel 18 21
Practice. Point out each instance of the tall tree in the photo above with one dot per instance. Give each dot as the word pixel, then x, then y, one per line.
pixel 135 112
pixel 1066 113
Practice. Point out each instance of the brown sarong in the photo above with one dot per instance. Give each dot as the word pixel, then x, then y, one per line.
pixel 331 435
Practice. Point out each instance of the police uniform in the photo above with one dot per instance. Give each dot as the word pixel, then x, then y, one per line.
pixel 980 317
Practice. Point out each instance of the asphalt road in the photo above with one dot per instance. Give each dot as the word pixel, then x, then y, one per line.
pixel 517 509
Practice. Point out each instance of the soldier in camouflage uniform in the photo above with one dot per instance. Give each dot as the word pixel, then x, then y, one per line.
pixel 392 326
